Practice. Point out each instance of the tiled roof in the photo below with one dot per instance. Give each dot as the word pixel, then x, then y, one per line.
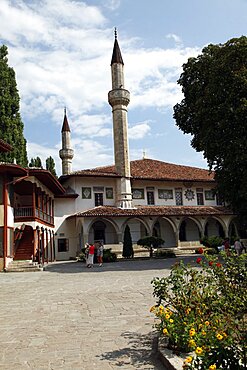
pixel 108 211
pixel 150 169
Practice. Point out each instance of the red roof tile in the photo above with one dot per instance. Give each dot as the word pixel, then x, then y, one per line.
pixel 150 169
pixel 108 211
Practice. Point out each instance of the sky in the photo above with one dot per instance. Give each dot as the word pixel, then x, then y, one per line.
pixel 61 52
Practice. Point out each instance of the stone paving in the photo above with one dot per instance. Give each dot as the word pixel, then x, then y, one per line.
pixel 70 317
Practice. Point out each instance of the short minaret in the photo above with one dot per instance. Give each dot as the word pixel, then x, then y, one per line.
pixel 119 99
pixel 66 153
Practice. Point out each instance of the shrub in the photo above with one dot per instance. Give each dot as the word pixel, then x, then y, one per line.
pixel 203 311
pixel 109 256
pixel 127 243
pixel 212 241
pixel 150 242
pixel 164 253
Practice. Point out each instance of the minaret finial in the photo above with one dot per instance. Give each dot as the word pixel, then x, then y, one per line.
pixel 65 110
pixel 115 33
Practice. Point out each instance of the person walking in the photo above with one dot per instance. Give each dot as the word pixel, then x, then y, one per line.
pixel 227 246
pixel 90 256
pixel 238 247
pixel 86 253
pixel 100 252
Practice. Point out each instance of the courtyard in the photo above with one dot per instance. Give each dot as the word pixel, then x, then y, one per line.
pixel 71 317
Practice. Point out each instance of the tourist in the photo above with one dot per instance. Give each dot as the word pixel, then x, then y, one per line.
pixel 227 246
pixel 100 252
pixel 238 247
pixel 86 252
pixel 90 256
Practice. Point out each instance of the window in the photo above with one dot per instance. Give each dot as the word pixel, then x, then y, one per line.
pixel 179 197
pixel 150 197
pixel 109 193
pixel 209 194
pixel 138 193
pixel 165 194
pixel 98 199
pixel 63 245
pixel 86 193
pixel 199 196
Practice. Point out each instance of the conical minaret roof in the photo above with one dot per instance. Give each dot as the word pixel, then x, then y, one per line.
pixel 65 122
pixel 116 54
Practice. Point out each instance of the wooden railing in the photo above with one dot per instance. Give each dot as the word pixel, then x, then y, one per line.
pixel 27 213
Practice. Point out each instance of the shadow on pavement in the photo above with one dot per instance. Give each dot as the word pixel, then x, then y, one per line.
pixel 139 353
pixel 71 267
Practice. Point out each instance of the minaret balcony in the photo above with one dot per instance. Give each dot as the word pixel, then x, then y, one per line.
pixel 66 153
pixel 119 97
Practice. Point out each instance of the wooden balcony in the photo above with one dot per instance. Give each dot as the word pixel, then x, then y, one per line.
pixel 22 214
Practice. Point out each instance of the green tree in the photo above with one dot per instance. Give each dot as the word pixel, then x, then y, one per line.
pixel 214 111
pixel 127 243
pixel 150 242
pixel 50 165
pixel 35 162
pixel 11 125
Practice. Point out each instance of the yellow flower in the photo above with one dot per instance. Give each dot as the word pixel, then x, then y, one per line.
pixel 200 326
pixel 171 321
pixel 224 334
pixel 203 332
pixel 192 332
pixel 188 360
pixel 161 308
pixel 212 367
pixel 165 331
pixel 152 309
pixel 219 336
pixel 199 350
pixel 192 343
pixel 167 316
pixel 207 323
pixel 188 310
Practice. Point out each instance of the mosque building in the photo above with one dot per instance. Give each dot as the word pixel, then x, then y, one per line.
pixel 177 203
pixel 43 219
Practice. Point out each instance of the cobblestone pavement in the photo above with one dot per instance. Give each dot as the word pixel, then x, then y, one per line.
pixel 70 317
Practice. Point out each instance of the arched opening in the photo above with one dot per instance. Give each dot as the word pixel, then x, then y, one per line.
pixel 232 231
pixel 164 230
pixel 189 231
pixel 138 229
pixel 99 231
pixel 103 231
pixel 214 228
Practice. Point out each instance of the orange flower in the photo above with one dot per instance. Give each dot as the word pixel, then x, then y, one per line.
pixel 199 351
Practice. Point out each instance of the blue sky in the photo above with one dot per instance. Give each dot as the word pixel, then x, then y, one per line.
pixel 61 52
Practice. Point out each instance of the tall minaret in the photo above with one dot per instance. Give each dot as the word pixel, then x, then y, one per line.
pixel 119 99
pixel 66 153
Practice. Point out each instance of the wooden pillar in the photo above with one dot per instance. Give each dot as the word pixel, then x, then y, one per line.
pixel 46 246
pixel 34 200
pixel 53 246
pixel 43 245
pixel 39 246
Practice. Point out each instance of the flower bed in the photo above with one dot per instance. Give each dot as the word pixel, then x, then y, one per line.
pixel 202 311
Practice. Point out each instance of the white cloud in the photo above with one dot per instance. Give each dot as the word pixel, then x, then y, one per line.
pixel 139 131
pixel 111 4
pixel 174 37
pixel 61 52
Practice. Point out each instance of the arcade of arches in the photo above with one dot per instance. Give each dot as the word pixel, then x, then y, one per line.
pixel 173 230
